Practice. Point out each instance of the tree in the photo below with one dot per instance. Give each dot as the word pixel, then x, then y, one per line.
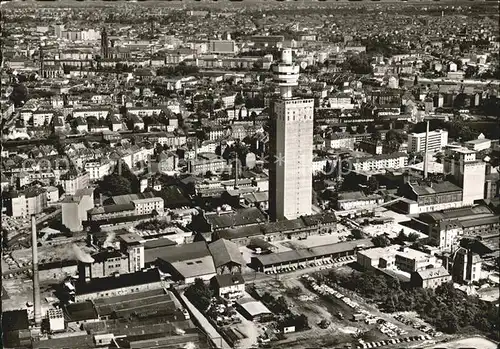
pixel 460 100
pixel 413 237
pixel 92 121
pixel 19 95
pixel 357 234
pixel 376 136
pixel 470 71
pixel 394 136
pixel 372 185
pixel 449 322
pixel 239 100
pixel 381 241
pixel 114 184
pixel 358 64
pixel 121 181
pixel 199 294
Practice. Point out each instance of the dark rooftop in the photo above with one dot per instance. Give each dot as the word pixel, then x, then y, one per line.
pixel 80 312
pixel 184 252
pixel 162 242
pixel 15 320
pixel 114 282
pixel 226 280
pixel 73 342
pixel 242 217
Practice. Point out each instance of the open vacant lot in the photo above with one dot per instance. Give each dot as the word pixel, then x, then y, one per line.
pixel 341 331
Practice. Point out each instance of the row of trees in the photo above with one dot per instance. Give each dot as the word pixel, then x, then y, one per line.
pixel 383 240
pixel 446 308
pixel 358 64
pixel 182 69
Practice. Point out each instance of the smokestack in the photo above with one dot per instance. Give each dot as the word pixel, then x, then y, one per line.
pixel 339 169
pixel 426 149
pixel 36 281
pixel 236 173
pixel 196 149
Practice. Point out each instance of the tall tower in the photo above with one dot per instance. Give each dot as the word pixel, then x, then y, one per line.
pixel 468 172
pixel 291 151
pixel 104 44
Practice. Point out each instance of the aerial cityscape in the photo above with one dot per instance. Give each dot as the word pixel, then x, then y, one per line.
pixel 250 174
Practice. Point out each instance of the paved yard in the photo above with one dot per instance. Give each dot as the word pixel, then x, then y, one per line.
pixel 472 342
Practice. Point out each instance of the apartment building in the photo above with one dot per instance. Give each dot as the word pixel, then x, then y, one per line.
pixel 437 140
pixel 73 181
pixel 97 169
pixel 381 162
pixel 25 203
pixel 148 205
pixel 207 162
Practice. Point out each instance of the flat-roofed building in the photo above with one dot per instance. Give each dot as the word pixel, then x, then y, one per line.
pixel 467 171
pixel 222 46
pixel 395 257
pixel 437 140
pixel 380 162
pixel 479 144
pixel 75 208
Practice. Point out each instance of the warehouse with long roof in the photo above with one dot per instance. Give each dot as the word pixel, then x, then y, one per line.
pixel 303 257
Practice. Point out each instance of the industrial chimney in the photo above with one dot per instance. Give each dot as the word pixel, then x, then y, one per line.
pixel 426 149
pixel 36 281
pixel 236 160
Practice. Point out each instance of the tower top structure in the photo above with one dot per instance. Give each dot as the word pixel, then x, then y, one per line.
pixel 286 74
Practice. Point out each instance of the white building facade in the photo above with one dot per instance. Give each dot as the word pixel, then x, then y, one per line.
pixel 437 140
pixel 293 137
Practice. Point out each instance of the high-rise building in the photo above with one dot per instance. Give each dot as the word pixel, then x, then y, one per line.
pixel 291 151
pixel 104 44
pixel 58 29
pixel 437 140
pixel 468 172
